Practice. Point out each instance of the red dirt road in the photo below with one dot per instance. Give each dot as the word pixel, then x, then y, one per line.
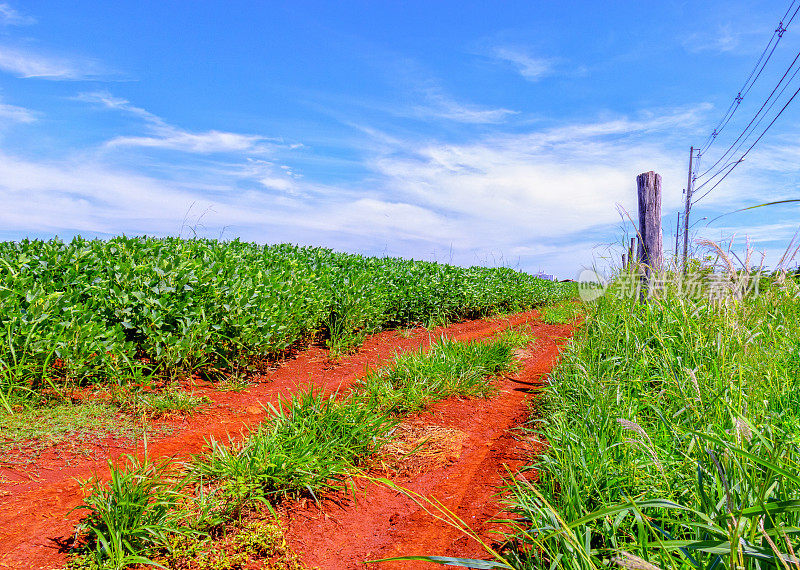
pixel 384 523
pixel 36 504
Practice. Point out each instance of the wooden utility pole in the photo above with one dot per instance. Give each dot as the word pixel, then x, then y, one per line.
pixel 686 211
pixel 650 253
pixel 677 235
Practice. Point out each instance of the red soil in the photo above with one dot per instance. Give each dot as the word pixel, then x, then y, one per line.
pixel 36 517
pixel 383 523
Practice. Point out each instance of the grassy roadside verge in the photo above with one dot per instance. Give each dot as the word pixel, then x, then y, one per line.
pixel 164 514
pixel 673 439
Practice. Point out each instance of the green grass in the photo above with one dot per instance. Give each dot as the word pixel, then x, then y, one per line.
pixel 415 380
pixel 78 426
pixel 148 515
pixel 673 434
pixel 310 444
pixel 561 314
pixel 135 512
pixel 34 429
pixel 156 404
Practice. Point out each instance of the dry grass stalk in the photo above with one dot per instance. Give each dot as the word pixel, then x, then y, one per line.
pixel 418 447
pixel 743 430
pixel 778 554
pixel 632 562
pixel 649 447
pixel 693 378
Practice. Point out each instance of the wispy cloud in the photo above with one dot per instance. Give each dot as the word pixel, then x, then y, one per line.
pixel 166 136
pixel 204 143
pixel 504 198
pixel 110 101
pixel 92 197
pixel 28 64
pixel 531 68
pixel 16 114
pixel 722 39
pixel 440 106
pixel 544 184
pixel 11 17
pixel 424 97
pixel 282 178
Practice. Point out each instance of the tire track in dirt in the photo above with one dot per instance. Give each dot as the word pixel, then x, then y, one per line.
pixel 36 517
pixel 382 523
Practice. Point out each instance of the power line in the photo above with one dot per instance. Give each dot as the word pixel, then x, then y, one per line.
pixel 764 104
pixel 738 162
pixel 751 80
pixel 754 126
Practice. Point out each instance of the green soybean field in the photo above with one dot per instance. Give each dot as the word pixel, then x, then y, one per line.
pixel 114 310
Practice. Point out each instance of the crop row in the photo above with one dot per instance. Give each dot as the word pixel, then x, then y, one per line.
pixel 114 310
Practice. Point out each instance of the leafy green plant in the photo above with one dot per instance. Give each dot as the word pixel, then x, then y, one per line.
pixel 243 545
pixel 134 512
pixel 126 308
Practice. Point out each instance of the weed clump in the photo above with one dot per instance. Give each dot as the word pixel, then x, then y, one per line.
pixel 311 442
pixel 415 380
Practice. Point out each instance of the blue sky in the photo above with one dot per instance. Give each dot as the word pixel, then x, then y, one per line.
pixel 469 132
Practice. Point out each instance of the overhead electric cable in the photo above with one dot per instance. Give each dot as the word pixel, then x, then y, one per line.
pixel 740 144
pixel 758 68
pixel 767 100
pixel 741 159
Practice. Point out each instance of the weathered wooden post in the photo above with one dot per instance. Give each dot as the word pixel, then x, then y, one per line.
pixel 650 253
pixel 631 251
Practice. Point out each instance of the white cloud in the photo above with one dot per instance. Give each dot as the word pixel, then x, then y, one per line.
pixel 771 232
pixel 525 198
pixel 531 68
pixel 283 184
pixel 427 99
pixel 203 143
pixel 11 17
pixel 16 114
pixel 166 136
pixel 546 184
pixel 723 39
pixel 111 102
pixel 94 198
pixel 36 65
pixel 441 106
